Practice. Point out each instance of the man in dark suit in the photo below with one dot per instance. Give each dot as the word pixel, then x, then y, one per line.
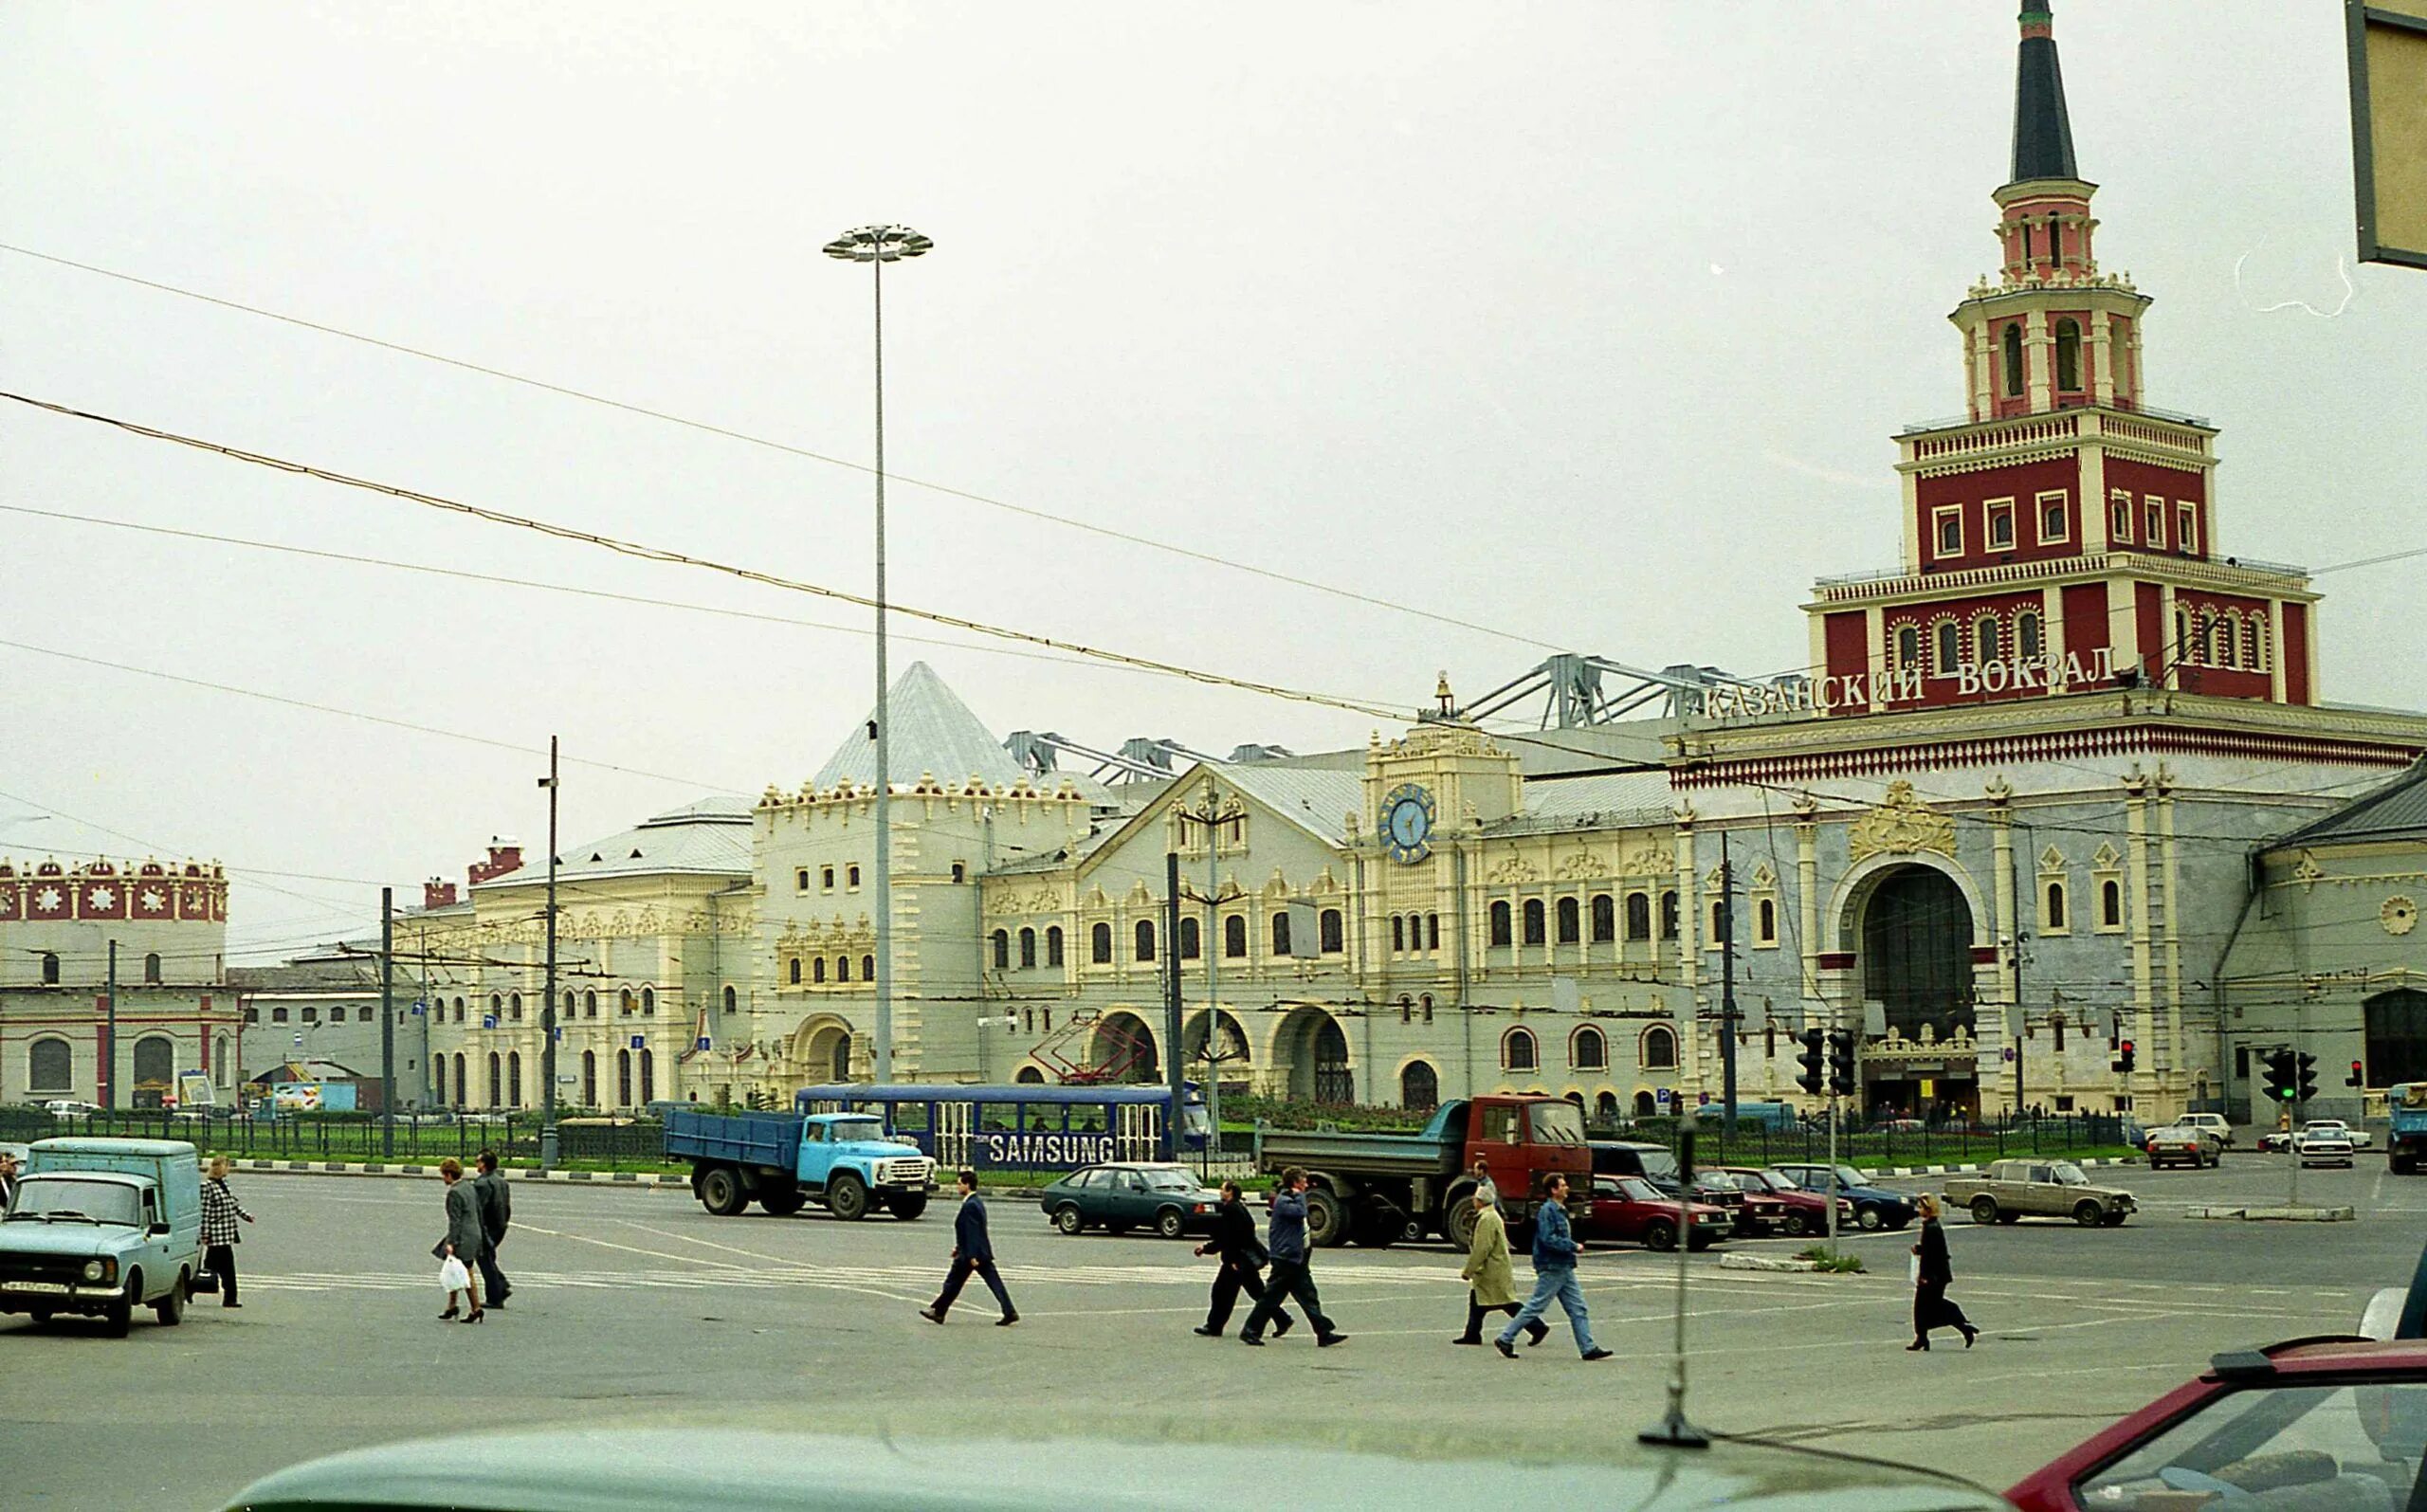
pixel 1243 1257
pixel 497 1215
pixel 971 1250
pixel 7 1178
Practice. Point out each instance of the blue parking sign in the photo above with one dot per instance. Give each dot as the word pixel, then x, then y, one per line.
pixel 636 1042
pixel 704 1042
pixel 488 1020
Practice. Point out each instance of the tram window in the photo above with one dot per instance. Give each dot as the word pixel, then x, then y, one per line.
pixel 1043 1118
pixel 999 1118
pixel 1087 1118
pixel 911 1118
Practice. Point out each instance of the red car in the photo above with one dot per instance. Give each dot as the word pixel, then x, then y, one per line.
pixel 2328 1423
pixel 1774 1205
pixel 1629 1207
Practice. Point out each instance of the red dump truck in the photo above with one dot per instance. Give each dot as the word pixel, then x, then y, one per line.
pixel 1379 1187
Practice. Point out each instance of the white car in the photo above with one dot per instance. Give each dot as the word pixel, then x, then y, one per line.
pixel 2212 1122
pixel 68 1107
pixel 2323 1142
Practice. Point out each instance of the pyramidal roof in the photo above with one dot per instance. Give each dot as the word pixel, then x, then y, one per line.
pixel 2043 136
pixel 933 732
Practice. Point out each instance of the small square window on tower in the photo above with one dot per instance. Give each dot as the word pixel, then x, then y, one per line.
pixel 2055 518
pixel 2153 518
pixel 2000 523
pixel 2119 517
pixel 1946 523
pixel 2186 527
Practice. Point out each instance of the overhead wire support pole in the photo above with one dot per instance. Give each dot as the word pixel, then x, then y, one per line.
pixel 386 1023
pixel 876 245
pixel 109 1037
pixel 548 983
pixel 1726 991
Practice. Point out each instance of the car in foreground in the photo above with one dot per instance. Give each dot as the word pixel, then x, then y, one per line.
pixel 1122 1195
pixel 1631 1210
pixel 2013 1189
pixel 2182 1144
pixel 2329 1423
pixel 663 1465
pixel 1773 1204
pixel 2324 1142
pixel 1875 1206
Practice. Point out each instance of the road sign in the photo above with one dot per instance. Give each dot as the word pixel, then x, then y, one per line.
pixel 418 1005
pixel 636 1042
pixel 1664 1096
pixel 2006 1054
pixel 2387 42
pixel 299 1039
pixel 488 1020
pixel 1701 1100
pixel 704 1042
pixel 568 1079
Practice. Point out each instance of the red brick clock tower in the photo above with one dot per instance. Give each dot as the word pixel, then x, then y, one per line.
pixel 2059 536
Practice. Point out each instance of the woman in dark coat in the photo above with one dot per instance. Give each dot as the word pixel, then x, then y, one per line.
pixel 1931 1307
pixel 463 1236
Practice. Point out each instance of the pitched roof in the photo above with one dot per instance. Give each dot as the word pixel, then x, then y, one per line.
pixel 1316 799
pixel 1601 800
pixel 933 734
pixel 711 836
pixel 2396 810
pixel 2043 136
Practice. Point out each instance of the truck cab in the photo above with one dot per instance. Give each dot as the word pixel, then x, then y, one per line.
pixel 2406 1146
pixel 102 1227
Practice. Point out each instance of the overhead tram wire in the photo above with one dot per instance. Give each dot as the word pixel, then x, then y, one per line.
pixel 670 556
pixel 1109 533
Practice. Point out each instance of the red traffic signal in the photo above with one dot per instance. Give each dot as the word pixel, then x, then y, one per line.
pixel 2356 1078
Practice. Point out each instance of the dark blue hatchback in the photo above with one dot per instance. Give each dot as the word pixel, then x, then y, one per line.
pixel 1124 1196
pixel 1875 1206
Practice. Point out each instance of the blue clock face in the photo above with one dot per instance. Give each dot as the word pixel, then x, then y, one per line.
pixel 1407 824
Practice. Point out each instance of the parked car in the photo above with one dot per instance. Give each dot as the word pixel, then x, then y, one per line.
pixel 2323 1142
pixel 1124 1196
pixel 68 1107
pixel 2214 1124
pixel 101 1228
pixel 1899 1126
pixel 1716 1188
pixel 1656 1163
pixel 2011 1190
pixel 2314 1423
pixel 2182 1144
pixel 1875 1206
pixel 1773 1204
pixel 1632 1210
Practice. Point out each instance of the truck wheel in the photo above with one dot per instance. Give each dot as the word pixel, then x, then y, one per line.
pixel 120 1314
pixel 1460 1222
pixel 1985 1208
pixel 170 1310
pixel 1327 1219
pixel 1169 1224
pixel 1660 1235
pixel 1067 1218
pixel 846 1198
pixel 721 1191
pixel 2087 1213
pixel 781 1202
pixel 908 1204
pixel 1868 1216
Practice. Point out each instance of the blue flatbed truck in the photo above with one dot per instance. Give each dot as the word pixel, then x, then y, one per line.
pixel 2406 1146
pixel 844 1162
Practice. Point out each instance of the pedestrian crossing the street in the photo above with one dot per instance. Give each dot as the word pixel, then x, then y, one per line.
pixel 909 1279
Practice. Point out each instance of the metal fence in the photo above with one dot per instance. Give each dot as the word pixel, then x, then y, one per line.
pixel 419 1139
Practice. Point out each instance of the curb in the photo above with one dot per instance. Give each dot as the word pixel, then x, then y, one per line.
pixel 401 1170
pixel 2278 1214
pixel 1974 1168
pixel 1733 1261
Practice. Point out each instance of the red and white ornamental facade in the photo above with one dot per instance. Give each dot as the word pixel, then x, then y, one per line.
pixel 47 892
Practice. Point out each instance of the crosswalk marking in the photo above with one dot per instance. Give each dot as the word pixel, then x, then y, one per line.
pixel 711 1275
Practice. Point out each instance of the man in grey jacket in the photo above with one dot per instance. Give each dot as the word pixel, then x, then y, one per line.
pixel 1290 1278
pixel 497 1215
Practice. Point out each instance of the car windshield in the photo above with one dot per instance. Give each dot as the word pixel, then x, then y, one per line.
pixel 1169 1178
pixel 842 1129
pixel 1658 1164
pixel 65 1199
pixel 2287 1446
pixel 2069 1174
pixel 1634 1189
pixel 1557 1124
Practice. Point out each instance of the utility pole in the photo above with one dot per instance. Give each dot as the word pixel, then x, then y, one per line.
pixel 1175 1063
pixel 548 994
pixel 386 1023
pixel 109 1036
pixel 1212 981
pixel 2021 1017
pixel 1726 990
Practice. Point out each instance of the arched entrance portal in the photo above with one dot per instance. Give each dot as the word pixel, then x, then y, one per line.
pixel 822 1050
pixel 1230 1050
pixel 1917 965
pixel 1312 1053
pixel 1123 1049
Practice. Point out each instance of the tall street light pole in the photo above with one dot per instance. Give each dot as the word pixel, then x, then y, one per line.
pixel 548 991
pixel 876 245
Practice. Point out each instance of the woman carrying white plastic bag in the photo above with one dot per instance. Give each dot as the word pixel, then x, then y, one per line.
pixel 461 1245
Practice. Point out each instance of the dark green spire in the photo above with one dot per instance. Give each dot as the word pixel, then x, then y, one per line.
pixel 2043 139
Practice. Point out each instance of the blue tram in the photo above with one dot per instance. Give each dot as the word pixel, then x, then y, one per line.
pixel 1027 1127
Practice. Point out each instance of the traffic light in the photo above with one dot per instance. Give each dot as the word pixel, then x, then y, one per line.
pixel 1811 1078
pixel 2122 1060
pixel 2355 1079
pixel 2279 1076
pixel 1841 1062
pixel 2308 1085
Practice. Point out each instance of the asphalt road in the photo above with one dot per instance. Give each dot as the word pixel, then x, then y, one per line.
pixel 639 1305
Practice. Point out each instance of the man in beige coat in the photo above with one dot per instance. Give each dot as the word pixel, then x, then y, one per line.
pixel 1490 1279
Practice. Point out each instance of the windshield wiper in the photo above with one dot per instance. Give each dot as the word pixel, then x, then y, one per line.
pixel 70 1212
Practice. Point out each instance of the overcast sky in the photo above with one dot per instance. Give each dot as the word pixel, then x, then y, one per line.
pixel 1589 323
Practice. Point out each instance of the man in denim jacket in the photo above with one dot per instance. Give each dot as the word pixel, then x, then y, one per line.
pixel 1554 1276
